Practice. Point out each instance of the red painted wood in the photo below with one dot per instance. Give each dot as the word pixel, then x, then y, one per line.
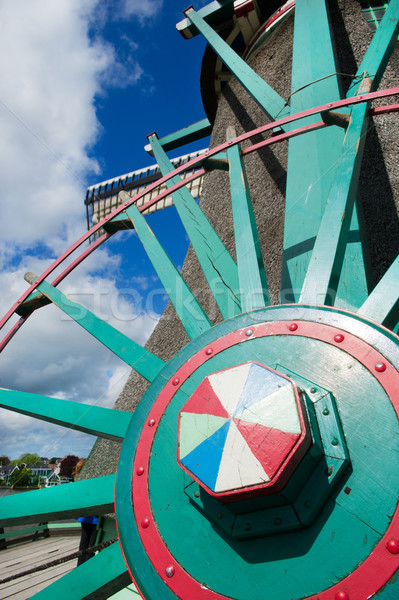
pixel 204 401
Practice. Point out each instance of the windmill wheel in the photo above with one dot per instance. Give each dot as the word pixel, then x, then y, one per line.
pixel 262 461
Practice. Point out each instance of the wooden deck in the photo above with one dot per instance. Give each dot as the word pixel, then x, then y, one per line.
pixel 32 554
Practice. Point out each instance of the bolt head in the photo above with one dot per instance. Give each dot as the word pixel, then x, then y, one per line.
pixel 380 367
pixel 208 351
pixel 341 596
pixel 140 470
pixel 313 390
pixel 249 332
pixel 339 338
pixel 293 327
pixel 176 381
pixel 145 523
pixel 151 423
pixel 326 412
pixel 170 571
pixel 334 442
pixel 393 546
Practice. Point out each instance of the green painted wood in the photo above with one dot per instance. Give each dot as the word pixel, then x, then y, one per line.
pixel 322 278
pixel 251 272
pixel 188 134
pixel 218 266
pixel 321 281
pixel 383 303
pixel 186 305
pixel 140 359
pixel 311 157
pixel 103 422
pixel 99 577
pixel 261 92
pixel 214 13
pixel 78 499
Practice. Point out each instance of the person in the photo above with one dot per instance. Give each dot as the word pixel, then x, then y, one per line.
pixel 88 525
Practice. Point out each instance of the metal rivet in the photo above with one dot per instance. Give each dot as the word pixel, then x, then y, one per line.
pixel 196 494
pixel 208 351
pixel 278 521
pixel 313 390
pixel 339 338
pixel 145 523
pixel 293 327
pixel 176 381
pixel 140 470
pixel 329 471
pixel 341 596
pixel 151 423
pixel 249 332
pixel 329 105
pixel 334 442
pixel 170 571
pixel 393 546
pixel 326 411
pixel 380 367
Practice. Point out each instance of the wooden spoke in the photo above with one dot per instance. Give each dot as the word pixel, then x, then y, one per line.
pixel 102 574
pixel 217 264
pixel 78 499
pixel 263 93
pixel 104 422
pixel 140 359
pixel 251 272
pixel 383 303
pixel 187 307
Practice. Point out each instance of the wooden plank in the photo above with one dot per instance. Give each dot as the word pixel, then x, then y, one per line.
pixel 251 271
pixel 80 498
pixel 188 134
pixel 140 359
pixel 383 303
pixel 95 420
pixel 268 99
pixel 187 307
pixel 218 266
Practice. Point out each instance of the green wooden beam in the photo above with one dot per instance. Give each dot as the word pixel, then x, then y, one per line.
pixel 188 134
pixel 78 499
pixel 100 577
pixel 322 278
pixel 325 266
pixel 103 422
pixel 311 157
pixel 218 266
pixel 251 272
pixel 140 359
pixel 383 303
pixel 262 93
pixel 215 13
pixel 186 305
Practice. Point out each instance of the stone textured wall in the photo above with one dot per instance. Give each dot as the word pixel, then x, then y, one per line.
pixel 266 172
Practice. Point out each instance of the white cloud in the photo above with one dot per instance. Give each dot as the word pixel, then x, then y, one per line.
pixel 142 9
pixel 52 69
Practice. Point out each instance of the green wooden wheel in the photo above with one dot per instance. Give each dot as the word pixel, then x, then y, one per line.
pixel 263 459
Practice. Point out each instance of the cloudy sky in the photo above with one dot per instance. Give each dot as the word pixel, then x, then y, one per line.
pixel 81 85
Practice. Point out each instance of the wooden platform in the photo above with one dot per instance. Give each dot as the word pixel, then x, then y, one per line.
pixel 32 554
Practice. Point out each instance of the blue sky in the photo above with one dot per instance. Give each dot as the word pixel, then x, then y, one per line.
pixel 81 86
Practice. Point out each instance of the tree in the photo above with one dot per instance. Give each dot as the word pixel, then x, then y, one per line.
pixel 4 461
pixel 52 460
pixel 67 465
pixel 20 477
pixel 30 459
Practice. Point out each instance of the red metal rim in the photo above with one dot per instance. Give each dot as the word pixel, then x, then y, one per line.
pixel 376 569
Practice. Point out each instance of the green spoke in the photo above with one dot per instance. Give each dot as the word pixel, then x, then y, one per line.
pixel 104 422
pixel 383 303
pixel 261 92
pixel 311 157
pixel 78 499
pixel 251 272
pixel 186 305
pixel 188 134
pixel 325 266
pixel 217 264
pixel 140 359
pixel 104 574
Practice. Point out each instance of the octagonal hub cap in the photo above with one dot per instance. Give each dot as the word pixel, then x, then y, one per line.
pixel 242 432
